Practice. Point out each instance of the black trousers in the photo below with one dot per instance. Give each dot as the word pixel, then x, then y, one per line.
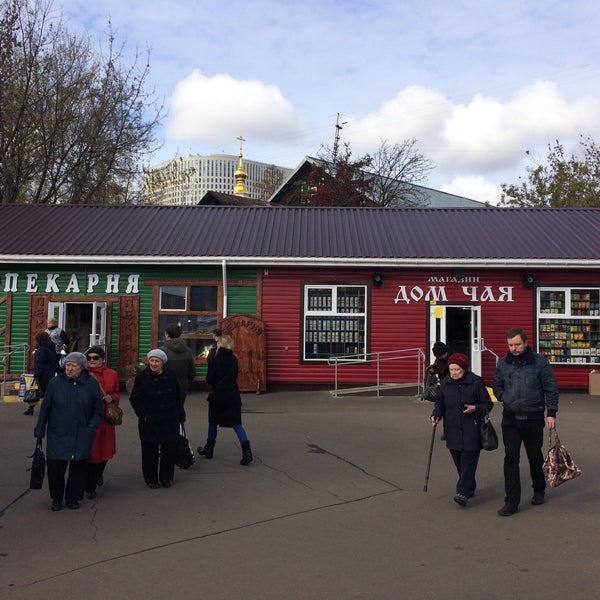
pixel 466 465
pixel 75 481
pixel 94 471
pixel 530 433
pixel 158 461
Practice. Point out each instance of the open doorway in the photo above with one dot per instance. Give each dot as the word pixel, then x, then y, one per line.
pixel 458 326
pixel 83 322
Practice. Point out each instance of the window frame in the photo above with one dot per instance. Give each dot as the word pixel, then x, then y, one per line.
pixel 563 336
pixel 327 325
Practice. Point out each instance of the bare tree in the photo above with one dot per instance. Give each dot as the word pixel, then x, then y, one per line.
pixel 387 178
pixel 396 170
pixel 74 124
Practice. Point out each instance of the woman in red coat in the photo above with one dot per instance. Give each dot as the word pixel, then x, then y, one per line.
pixel 104 447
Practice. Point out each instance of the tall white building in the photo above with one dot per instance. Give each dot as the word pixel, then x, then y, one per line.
pixel 186 180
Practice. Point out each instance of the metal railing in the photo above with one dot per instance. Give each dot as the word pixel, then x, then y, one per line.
pixel 16 351
pixel 378 358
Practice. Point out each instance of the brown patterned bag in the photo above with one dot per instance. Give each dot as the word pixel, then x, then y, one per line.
pixel 559 465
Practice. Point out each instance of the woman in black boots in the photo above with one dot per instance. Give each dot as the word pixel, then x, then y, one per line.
pixel 224 400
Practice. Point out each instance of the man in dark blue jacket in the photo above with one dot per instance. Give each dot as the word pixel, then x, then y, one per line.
pixel 525 384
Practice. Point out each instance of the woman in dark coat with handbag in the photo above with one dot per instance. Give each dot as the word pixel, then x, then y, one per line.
pixel 44 364
pixel 224 400
pixel 157 403
pixel 71 412
pixel 462 402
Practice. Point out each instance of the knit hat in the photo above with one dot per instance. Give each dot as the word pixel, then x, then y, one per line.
pixel 439 348
pixel 97 350
pixel 77 358
pixel 459 359
pixel 157 353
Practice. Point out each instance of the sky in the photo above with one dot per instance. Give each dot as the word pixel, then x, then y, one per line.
pixel 483 87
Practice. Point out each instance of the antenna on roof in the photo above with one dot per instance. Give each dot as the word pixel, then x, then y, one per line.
pixel 336 139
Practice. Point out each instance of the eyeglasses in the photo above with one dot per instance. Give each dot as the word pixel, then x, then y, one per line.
pixel 93 357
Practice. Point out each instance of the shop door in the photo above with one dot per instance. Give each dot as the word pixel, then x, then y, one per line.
pixel 459 327
pixel 83 322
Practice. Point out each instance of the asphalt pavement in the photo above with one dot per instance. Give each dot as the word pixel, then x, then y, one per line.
pixel 333 507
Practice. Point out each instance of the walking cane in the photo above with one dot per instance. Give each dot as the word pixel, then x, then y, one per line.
pixel 429 461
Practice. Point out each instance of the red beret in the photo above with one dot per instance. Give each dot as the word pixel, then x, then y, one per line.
pixel 459 359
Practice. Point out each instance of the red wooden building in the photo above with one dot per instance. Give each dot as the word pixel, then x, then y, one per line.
pixel 330 285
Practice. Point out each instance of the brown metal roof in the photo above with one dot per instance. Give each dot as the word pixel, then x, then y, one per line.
pixel 293 235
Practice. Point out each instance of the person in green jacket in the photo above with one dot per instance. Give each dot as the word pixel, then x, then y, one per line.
pixel 181 359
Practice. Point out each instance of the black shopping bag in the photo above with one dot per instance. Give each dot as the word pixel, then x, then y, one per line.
pixel 38 467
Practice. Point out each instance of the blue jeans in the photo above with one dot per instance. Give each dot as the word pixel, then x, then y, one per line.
pixel 239 431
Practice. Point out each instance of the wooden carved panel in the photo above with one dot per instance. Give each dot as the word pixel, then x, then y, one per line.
pixel 38 321
pixel 250 347
pixel 129 329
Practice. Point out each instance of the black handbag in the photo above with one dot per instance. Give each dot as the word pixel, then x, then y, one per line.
pixel 489 437
pixel 430 387
pixel 33 394
pixel 184 457
pixel 38 467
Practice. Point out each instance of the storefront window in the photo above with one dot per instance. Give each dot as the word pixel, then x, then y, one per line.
pixel 195 309
pixel 569 324
pixel 334 321
pixel 172 298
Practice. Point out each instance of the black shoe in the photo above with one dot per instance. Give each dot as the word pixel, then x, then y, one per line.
pixel 100 481
pixel 29 411
pixel 90 495
pixel 154 486
pixel 460 499
pixel 73 505
pixel 206 450
pixel 56 506
pixel 508 510
pixel 166 484
pixel 538 498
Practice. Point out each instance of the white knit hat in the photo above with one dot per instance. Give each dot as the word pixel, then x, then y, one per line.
pixel 158 353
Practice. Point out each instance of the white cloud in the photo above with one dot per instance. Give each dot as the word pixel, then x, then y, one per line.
pixel 482 143
pixel 478 188
pixel 215 110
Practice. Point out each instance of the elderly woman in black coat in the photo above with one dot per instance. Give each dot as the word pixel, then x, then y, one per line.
pixel 224 400
pixel 462 401
pixel 70 414
pixel 157 403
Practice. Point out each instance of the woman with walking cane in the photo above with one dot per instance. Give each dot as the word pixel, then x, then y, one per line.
pixel 462 401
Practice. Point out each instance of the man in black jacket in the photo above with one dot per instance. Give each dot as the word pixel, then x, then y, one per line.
pixel 525 384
